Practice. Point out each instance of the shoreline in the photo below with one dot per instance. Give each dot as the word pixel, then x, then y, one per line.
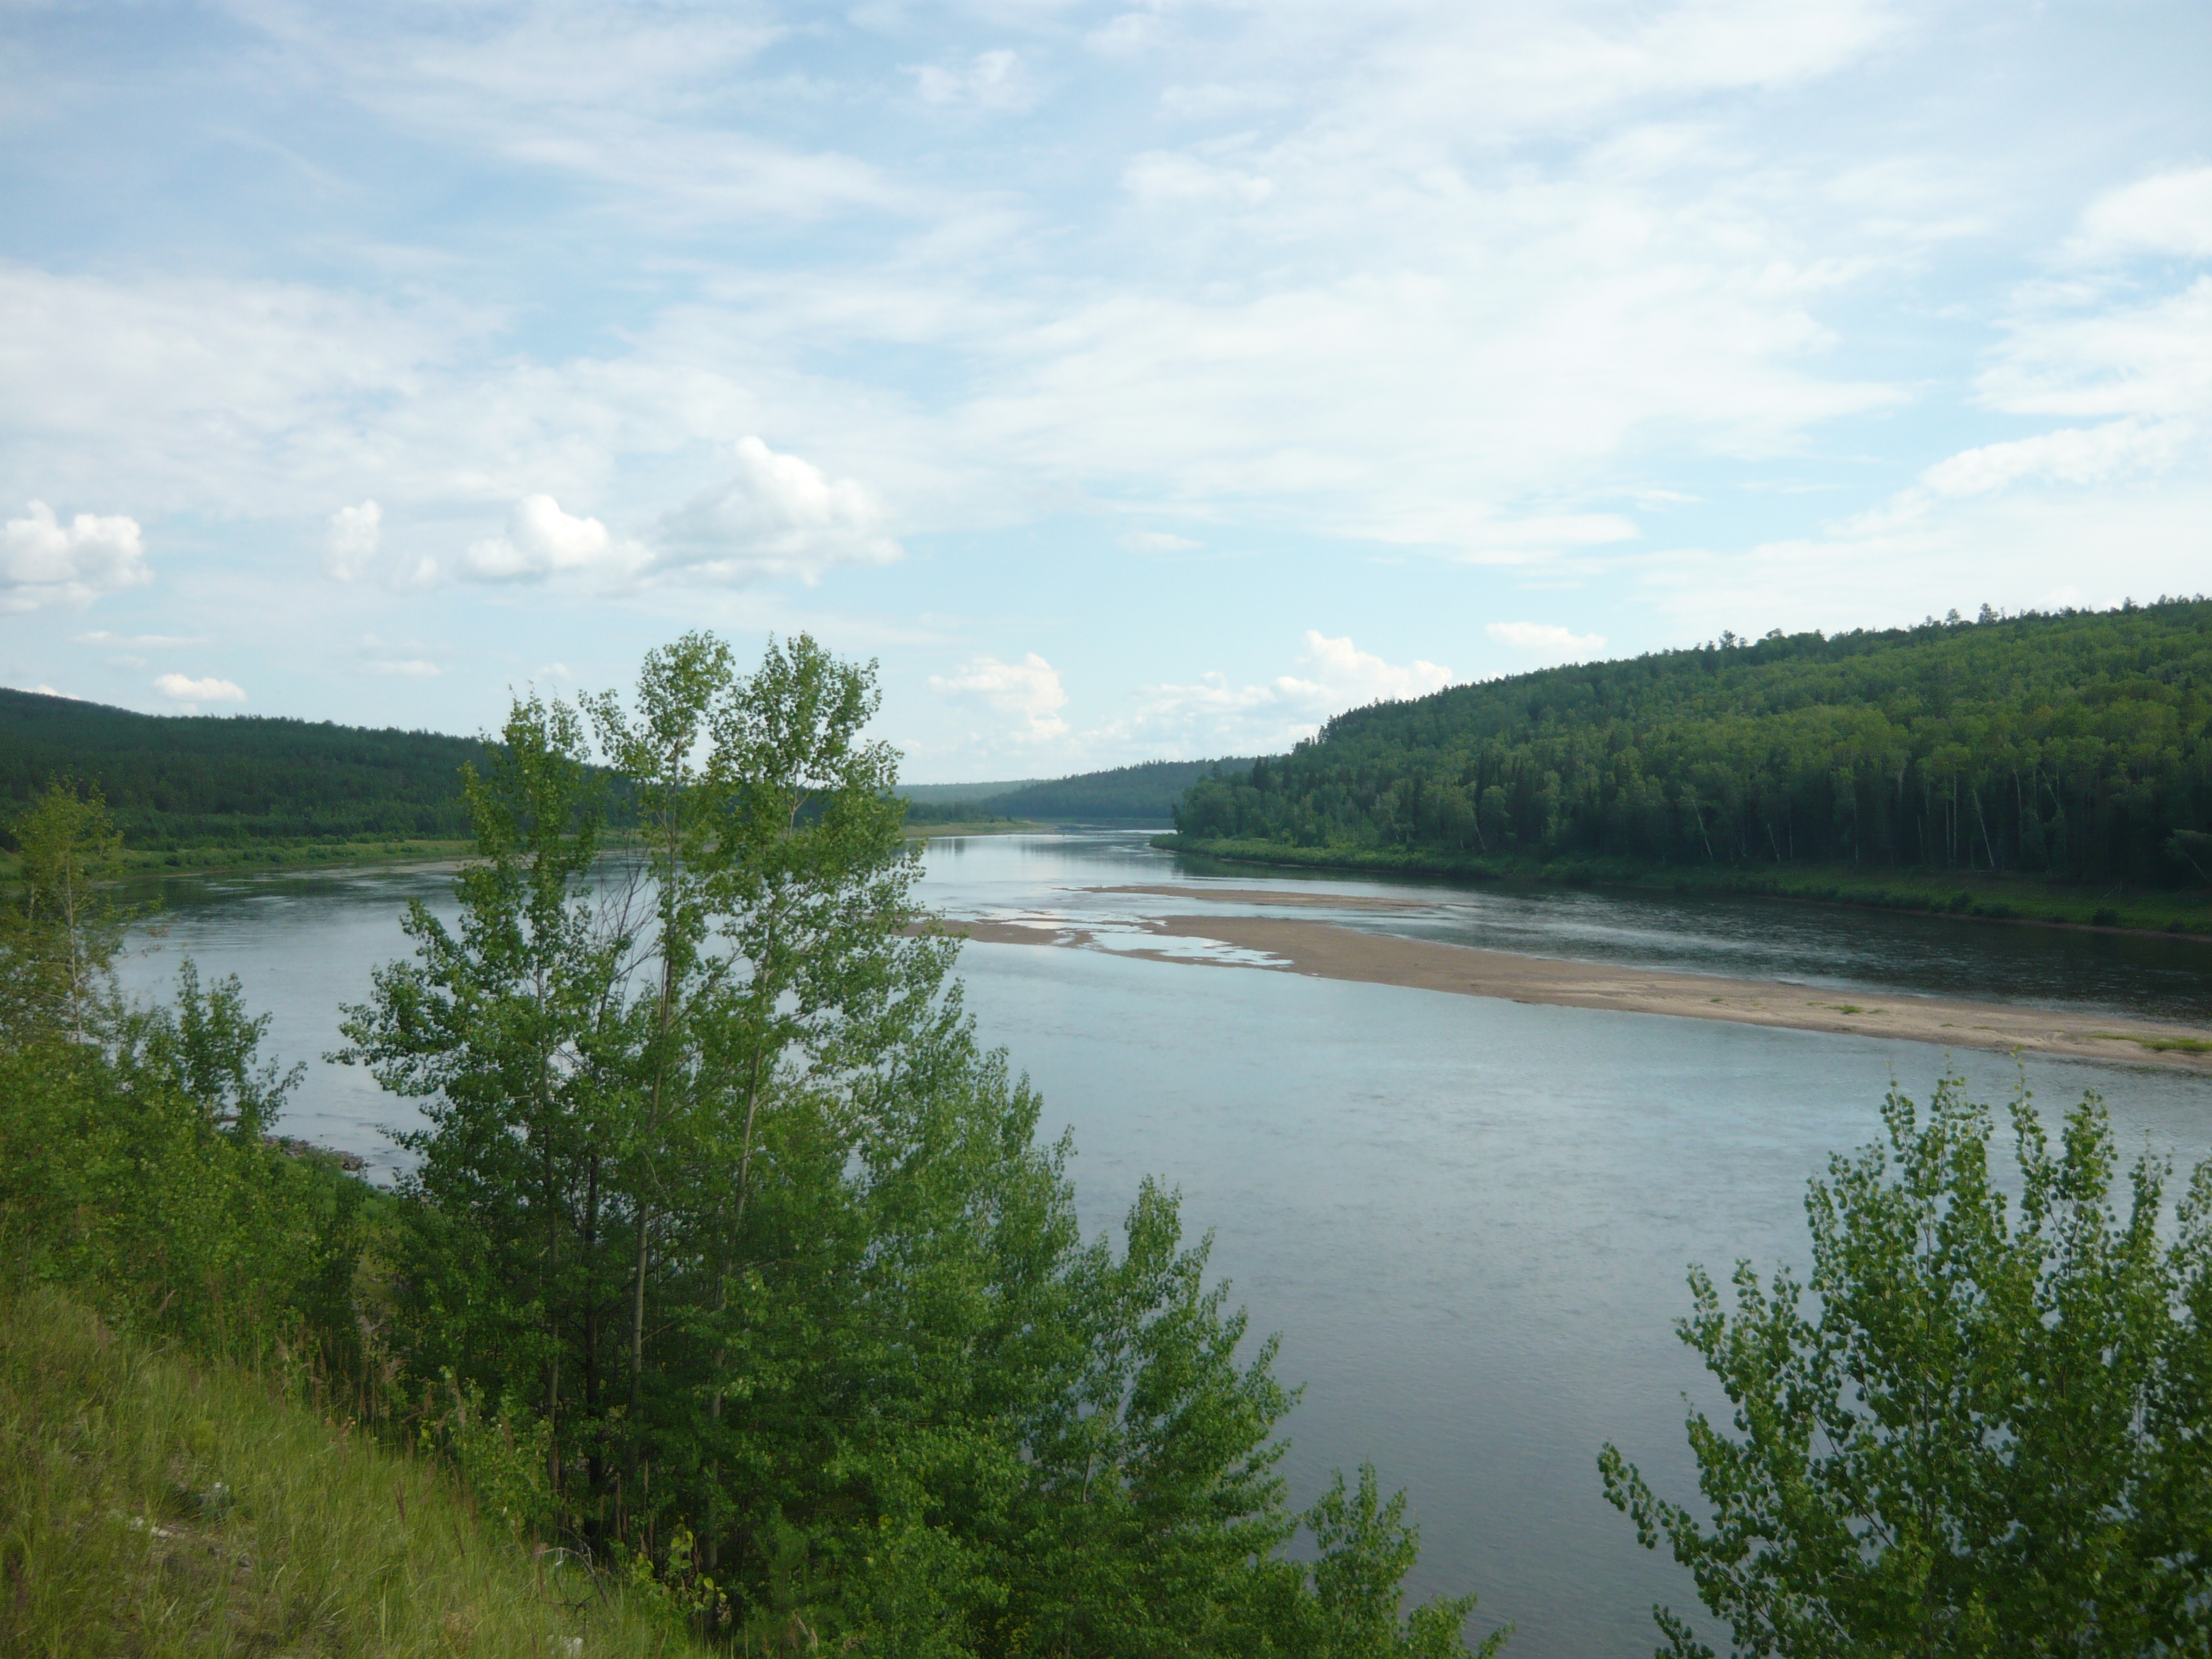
pixel 1957 896
pixel 1323 950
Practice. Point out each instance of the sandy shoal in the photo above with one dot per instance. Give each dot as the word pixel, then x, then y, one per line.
pixel 1321 950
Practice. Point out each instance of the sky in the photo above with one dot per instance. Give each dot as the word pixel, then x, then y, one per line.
pixel 1126 383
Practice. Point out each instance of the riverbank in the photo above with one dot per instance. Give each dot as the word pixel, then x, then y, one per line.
pixel 1975 896
pixel 1324 950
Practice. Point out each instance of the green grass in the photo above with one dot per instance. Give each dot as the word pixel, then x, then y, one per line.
pixel 1978 896
pixel 154 1507
pixel 2163 1045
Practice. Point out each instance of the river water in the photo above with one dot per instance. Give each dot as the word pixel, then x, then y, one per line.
pixel 1469 1219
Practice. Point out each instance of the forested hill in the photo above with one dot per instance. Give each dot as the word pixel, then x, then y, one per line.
pixel 1144 794
pixel 2077 744
pixel 176 780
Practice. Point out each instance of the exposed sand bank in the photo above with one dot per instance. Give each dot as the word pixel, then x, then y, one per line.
pixel 1324 951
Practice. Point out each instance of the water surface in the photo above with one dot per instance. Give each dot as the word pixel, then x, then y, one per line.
pixel 1468 1218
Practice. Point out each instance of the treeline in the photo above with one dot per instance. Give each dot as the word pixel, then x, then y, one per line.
pixel 728 1258
pixel 176 781
pixel 1142 793
pixel 2075 745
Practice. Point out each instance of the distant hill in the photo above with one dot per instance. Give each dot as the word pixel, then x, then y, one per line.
pixel 1146 794
pixel 2075 746
pixel 178 780
pixel 937 794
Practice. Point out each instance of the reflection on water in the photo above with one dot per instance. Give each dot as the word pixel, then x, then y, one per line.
pixel 1469 1219
pixel 2154 977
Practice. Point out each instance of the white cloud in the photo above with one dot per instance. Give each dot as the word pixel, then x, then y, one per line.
pixel 1213 717
pixel 542 541
pixel 2087 356
pixel 44 562
pixel 407 668
pixel 351 544
pixel 1029 690
pixel 101 636
pixel 1158 541
pixel 997 81
pixel 181 688
pixel 1546 640
pixel 2169 213
pixel 775 515
pixel 2075 455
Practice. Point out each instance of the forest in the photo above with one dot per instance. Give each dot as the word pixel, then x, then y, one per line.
pixel 174 781
pixel 178 780
pixel 2075 746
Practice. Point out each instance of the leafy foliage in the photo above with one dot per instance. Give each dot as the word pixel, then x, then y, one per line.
pixel 2076 745
pixel 721 1207
pixel 1986 1437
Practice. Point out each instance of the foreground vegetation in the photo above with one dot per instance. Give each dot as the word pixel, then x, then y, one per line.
pixel 1980 1426
pixel 155 1505
pixel 2075 748
pixel 731 1263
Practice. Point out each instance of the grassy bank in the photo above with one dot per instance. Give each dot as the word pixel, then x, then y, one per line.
pixel 1979 895
pixel 150 1505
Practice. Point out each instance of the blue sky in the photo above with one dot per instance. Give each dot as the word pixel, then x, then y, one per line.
pixel 1128 382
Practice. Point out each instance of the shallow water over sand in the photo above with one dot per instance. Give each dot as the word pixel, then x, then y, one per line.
pixel 1469 1219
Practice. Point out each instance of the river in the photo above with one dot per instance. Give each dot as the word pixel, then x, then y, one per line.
pixel 1469 1219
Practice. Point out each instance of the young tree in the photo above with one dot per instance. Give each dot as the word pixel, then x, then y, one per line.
pixel 511 1029
pixel 871 1386
pixel 62 935
pixel 1989 1435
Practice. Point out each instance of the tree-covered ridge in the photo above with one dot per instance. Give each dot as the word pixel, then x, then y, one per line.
pixel 2072 744
pixel 177 781
pixel 1147 791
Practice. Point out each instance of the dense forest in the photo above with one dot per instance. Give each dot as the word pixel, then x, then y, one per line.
pixel 1142 793
pixel 174 780
pixel 2075 746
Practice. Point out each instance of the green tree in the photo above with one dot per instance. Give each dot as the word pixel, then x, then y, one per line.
pixel 62 935
pixel 510 1027
pixel 1988 1436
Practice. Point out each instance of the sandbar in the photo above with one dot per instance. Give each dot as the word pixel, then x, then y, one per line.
pixel 1321 950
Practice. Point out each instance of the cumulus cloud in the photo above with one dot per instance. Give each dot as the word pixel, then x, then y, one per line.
pixel 775 514
pixel 1213 717
pixel 542 541
pixel 406 668
pixel 182 688
pixel 1546 639
pixel 45 562
pixel 1029 691
pixel 351 544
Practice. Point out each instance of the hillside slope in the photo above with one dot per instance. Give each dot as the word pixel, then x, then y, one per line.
pixel 2074 746
pixel 1145 793
pixel 152 1506
pixel 178 780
